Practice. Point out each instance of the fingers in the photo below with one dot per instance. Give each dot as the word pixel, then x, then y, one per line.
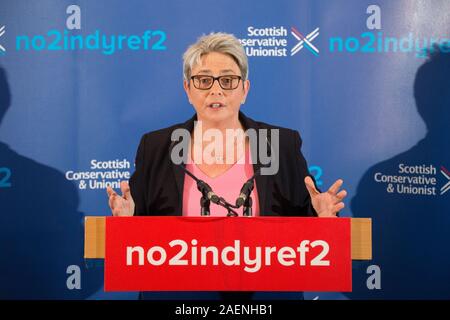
pixel 332 211
pixel 341 195
pixel 310 186
pixel 125 188
pixel 114 201
pixel 110 191
pixel 111 196
pixel 338 207
pixel 121 205
pixel 335 187
pixel 117 204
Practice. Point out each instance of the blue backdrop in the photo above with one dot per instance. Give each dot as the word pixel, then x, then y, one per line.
pixel 73 108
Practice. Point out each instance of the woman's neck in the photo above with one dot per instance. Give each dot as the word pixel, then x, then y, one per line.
pixel 232 124
pixel 231 146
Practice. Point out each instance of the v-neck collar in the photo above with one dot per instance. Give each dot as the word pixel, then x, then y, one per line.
pixel 261 180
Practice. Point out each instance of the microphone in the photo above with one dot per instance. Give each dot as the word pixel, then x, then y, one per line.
pixel 202 186
pixel 245 191
pixel 249 184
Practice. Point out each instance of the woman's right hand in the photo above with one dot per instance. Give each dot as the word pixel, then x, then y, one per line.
pixel 121 205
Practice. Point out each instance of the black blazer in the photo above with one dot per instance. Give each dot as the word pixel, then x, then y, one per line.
pixel 157 184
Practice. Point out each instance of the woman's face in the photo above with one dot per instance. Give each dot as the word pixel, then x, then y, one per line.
pixel 216 104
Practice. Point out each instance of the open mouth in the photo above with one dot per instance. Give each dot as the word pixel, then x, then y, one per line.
pixel 216 105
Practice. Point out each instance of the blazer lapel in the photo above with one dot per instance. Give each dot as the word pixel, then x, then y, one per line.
pixel 177 169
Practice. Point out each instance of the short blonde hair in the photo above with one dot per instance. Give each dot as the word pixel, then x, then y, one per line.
pixel 215 42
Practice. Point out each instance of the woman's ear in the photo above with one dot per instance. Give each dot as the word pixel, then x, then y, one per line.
pixel 186 89
pixel 246 90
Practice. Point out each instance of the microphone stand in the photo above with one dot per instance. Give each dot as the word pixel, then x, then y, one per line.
pixel 205 189
pixel 248 207
pixel 208 195
pixel 248 202
pixel 204 205
pixel 228 206
pixel 245 198
pixel 205 201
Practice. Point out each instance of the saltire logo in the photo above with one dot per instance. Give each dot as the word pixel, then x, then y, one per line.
pixel 2 32
pixel 304 41
pixel 446 174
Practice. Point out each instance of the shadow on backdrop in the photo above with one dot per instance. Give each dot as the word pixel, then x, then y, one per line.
pixel 411 220
pixel 41 231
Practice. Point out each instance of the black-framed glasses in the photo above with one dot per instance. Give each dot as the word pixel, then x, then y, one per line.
pixel 204 82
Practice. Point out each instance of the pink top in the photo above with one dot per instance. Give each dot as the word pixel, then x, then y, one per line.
pixel 227 185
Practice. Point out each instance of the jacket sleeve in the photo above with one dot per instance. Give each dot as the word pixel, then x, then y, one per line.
pixel 138 181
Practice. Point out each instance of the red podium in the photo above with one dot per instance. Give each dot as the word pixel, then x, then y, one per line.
pixel 227 254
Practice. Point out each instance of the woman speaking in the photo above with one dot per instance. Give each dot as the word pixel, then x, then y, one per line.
pixel 215 70
pixel 216 84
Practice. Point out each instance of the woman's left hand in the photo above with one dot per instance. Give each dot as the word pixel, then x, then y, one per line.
pixel 326 204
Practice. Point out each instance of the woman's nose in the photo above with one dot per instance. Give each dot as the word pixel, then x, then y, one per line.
pixel 216 89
